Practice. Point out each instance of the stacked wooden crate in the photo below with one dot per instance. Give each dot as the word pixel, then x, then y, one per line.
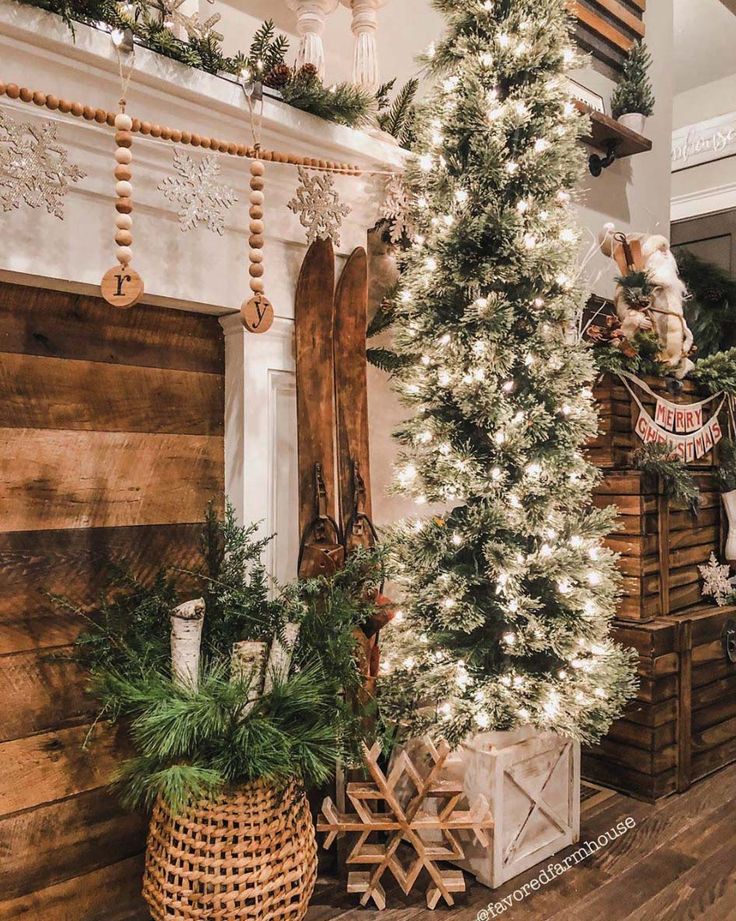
pixel 682 724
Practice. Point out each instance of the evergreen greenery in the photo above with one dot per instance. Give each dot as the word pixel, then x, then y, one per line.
pixel 710 307
pixel 343 103
pixel 509 592
pixel 191 743
pixel 634 91
pixel 658 459
pixel 717 372
pixel 643 362
pixel 397 117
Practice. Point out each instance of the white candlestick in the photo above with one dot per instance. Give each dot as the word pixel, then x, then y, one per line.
pixel 365 55
pixel 310 24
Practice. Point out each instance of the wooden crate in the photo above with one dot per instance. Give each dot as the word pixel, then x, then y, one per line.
pixel 682 724
pixel 617 439
pixel 661 544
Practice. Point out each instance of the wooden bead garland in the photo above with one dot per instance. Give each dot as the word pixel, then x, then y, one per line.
pixel 257 311
pixel 122 286
pixel 100 116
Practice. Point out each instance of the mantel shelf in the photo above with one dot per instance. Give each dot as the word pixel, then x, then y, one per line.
pixel 605 130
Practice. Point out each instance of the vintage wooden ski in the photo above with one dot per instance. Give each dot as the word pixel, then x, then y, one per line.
pixel 321 551
pixel 351 401
pixel 353 451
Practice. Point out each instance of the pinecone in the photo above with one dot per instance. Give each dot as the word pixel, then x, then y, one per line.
pixel 278 76
pixel 307 73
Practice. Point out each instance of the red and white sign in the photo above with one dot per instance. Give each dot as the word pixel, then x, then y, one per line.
pixel 689 446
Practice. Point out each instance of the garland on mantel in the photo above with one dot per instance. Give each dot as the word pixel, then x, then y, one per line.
pixel 152 24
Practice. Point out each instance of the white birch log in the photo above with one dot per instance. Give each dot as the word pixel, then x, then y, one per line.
pixel 279 658
pixel 186 639
pixel 247 661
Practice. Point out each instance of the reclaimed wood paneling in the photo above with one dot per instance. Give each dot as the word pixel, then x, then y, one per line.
pixel 608 28
pixel 111 446
pixel 47 767
pixel 111 893
pixel 54 325
pixel 59 393
pixel 60 479
pixel 73 837
pixel 77 564
pixel 41 691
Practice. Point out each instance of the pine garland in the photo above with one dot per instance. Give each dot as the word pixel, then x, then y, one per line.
pixel 658 459
pixel 343 103
pixel 509 591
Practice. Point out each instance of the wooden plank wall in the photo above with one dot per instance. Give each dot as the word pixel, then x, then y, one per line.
pixel 111 444
pixel 608 28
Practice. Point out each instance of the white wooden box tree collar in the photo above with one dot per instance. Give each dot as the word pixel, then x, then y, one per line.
pixel 532 782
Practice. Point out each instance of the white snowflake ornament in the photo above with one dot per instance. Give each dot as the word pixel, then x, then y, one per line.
pixel 397 208
pixel 34 167
pixel 201 199
pixel 718 581
pixel 319 207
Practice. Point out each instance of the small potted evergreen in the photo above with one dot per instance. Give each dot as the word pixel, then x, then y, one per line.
pixel 632 101
pixel 235 703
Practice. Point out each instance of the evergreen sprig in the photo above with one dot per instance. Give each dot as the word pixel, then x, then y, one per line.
pixel 344 103
pixel 192 743
pixel 717 372
pixel 397 117
pixel 678 483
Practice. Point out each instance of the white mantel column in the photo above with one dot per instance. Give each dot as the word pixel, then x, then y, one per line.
pixel 365 55
pixel 310 24
pixel 261 474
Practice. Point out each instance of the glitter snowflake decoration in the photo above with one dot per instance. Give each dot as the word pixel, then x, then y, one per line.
pixel 318 206
pixel 174 17
pixel 397 208
pixel 718 581
pixel 34 167
pixel 201 199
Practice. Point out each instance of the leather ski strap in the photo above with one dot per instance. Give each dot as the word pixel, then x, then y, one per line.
pixel 321 550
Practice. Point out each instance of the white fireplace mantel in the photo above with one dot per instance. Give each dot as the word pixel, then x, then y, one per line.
pixel 37 50
pixel 197 270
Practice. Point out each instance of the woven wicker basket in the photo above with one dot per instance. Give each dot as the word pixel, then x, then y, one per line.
pixel 250 854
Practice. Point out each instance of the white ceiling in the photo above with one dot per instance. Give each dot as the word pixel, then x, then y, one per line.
pixel 705 42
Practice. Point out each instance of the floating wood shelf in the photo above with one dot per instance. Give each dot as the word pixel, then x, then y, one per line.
pixel 605 131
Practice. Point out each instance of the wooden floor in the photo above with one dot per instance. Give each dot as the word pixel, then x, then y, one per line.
pixel 678 863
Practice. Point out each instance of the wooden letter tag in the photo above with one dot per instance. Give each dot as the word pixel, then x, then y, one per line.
pixel 257 314
pixel 122 286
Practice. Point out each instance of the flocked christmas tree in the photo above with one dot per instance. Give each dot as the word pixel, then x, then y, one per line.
pixel 509 591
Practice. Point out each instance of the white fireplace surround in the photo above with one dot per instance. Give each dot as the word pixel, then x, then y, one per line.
pixel 197 270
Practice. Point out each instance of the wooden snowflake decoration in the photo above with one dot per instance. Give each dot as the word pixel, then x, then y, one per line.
pixel 382 810
pixel 201 199
pixel 318 206
pixel 34 167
